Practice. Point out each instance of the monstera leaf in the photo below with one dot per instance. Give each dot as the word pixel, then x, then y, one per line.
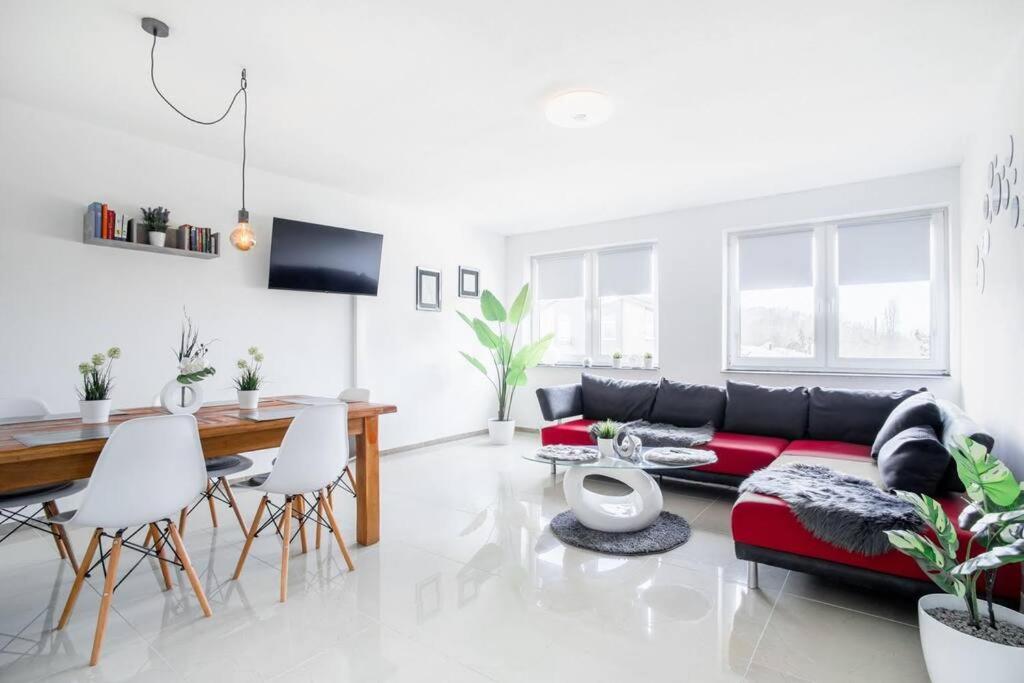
pixel 985 478
pixel 991 559
pixel 935 517
pixel 931 558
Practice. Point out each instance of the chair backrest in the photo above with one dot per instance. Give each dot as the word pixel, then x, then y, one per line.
pixel 149 469
pixel 314 451
pixel 23 406
pixel 354 394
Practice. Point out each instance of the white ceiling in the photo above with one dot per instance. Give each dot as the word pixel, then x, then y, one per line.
pixel 438 105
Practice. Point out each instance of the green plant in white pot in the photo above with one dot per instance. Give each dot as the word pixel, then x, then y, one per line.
pixel 960 642
pixel 97 384
pixel 498 332
pixel 250 380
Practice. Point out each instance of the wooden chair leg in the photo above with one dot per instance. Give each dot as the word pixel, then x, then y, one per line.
pixel 79 579
pixel 286 532
pixel 63 540
pixel 182 518
pixel 319 516
pixel 300 514
pixel 158 545
pixel 149 537
pixel 249 537
pixel 48 508
pixel 108 593
pixel 337 534
pixel 213 503
pixel 234 505
pixel 351 479
pixel 193 578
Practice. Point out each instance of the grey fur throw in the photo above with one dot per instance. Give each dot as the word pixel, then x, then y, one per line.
pixel 846 511
pixel 660 434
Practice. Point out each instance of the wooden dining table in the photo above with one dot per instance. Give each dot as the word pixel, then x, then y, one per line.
pixel 223 430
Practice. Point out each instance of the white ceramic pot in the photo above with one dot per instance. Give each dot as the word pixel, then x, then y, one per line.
pixel 953 657
pixel 95 412
pixel 248 400
pixel 606 447
pixel 157 238
pixel 501 431
pixel 648 363
pixel 181 399
pixel 616 362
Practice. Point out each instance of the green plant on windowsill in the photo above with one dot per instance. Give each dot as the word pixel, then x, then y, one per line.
pixel 617 355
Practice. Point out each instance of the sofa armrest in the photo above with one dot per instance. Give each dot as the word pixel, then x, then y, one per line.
pixel 957 424
pixel 565 400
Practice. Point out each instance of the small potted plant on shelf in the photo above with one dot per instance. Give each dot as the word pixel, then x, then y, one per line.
pixel 959 642
pixel 94 396
pixel 155 222
pixel 648 360
pixel 617 359
pixel 510 365
pixel 250 380
pixel 604 433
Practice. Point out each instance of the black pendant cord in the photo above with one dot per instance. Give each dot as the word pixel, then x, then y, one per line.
pixel 245 108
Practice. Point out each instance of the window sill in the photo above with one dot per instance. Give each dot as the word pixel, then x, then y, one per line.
pixel 941 374
pixel 597 367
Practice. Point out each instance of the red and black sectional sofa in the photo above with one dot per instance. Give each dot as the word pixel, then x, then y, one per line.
pixel 758 427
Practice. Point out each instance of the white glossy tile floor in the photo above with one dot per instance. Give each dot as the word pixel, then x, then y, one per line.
pixel 468 584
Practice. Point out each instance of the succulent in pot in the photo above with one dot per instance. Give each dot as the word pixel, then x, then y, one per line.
pixel 604 433
pixel 97 384
pixel 648 360
pixel 617 359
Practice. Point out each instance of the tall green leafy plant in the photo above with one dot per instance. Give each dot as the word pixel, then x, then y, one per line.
pixel 97 382
pixel 498 333
pixel 995 519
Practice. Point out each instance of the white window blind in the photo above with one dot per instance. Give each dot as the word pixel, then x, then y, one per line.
pixel 776 261
pixel 885 251
pixel 624 272
pixel 560 277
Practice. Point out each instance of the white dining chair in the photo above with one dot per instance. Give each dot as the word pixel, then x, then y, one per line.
pixel 149 469
pixel 24 506
pixel 312 455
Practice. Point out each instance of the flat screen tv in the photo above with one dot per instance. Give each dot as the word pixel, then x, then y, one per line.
pixel 319 258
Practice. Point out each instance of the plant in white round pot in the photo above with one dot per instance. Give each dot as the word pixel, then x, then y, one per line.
pixel 250 380
pixel 184 393
pixel 648 360
pixel 509 365
pixel 604 433
pixel 617 359
pixel 959 642
pixel 94 396
pixel 155 222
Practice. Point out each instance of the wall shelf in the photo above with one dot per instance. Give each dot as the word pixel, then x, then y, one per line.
pixel 137 246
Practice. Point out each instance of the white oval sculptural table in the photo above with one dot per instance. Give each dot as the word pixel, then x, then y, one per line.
pixel 636 510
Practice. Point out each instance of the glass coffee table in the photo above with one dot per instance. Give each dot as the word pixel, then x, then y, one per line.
pixel 636 510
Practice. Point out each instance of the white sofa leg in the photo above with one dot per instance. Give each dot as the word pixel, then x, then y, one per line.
pixel 752 582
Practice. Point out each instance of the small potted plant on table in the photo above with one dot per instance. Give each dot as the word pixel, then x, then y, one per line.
pixel 604 433
pixel 959 642
pixel 94 396
pixel 155 221
pixel 250 380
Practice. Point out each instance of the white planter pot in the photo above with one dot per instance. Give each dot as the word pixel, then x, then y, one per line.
pixel 95 412
pixel 616 362
pixel 501 431
pixel 606 447
pixel 181 399
pixel 248 400
pixel 954 657
pixel 648 363
pixel 157 239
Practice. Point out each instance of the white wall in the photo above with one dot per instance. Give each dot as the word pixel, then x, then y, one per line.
pixel 690 255
pixel 993 321
pixel 62 300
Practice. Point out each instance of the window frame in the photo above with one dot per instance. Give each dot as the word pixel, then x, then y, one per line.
pixel 826 359
pixel 591 300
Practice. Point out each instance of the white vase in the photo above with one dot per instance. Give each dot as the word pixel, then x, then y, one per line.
pixel 616 362
pixel 179 402
pixel 248 400
pixel 648 363
pixel 157 238
pixel 953 656
pixel 606 447
pixel 95 412
pixel 501 431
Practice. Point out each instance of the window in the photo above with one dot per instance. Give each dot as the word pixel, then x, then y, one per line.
pixel 596 303
pixel 860 295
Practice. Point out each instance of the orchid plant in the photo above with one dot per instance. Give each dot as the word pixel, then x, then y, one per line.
pixel 995 519
pixel 191 354
pixel 96 380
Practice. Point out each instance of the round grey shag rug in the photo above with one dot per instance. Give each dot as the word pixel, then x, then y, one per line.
pixel 668 531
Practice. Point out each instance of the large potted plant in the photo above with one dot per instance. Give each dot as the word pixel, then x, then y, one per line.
pixel 94 396
pixel 250 380
pixel 508 364
pixel 959 642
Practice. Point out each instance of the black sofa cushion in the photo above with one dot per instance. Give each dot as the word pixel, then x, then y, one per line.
pixel 919 410
pixel 851 415
pixel 914 460
pixel 605 398
pixel 766 411
pixel 688 405
pixel 956 424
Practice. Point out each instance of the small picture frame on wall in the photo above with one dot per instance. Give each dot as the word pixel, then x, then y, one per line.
pixel 469 282
pixel 428 289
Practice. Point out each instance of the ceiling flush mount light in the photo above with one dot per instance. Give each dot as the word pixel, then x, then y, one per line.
pixel 579 109
pixel 242 236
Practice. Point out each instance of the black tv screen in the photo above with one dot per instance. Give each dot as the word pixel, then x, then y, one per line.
pixel 319 258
